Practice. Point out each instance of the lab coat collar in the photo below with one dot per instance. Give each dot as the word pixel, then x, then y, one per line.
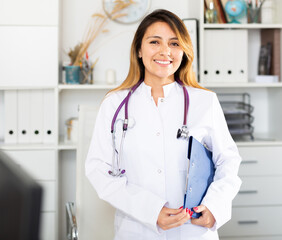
pixel 166 88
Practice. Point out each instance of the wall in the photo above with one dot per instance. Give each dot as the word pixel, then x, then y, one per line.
pixel 111 48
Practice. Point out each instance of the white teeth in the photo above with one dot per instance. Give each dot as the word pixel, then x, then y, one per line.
pixel 162 62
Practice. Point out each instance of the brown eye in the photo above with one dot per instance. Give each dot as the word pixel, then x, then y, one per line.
pixel 175 44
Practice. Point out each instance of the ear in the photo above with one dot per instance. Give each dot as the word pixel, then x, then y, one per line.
pixel 139 54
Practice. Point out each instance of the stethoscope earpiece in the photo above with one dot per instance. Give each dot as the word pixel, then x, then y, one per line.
pixel 118 174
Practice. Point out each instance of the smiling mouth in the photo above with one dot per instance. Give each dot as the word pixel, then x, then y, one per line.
pixel 163 62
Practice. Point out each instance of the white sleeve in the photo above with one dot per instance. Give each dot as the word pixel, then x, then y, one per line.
pixel 227 160
pixel 131 199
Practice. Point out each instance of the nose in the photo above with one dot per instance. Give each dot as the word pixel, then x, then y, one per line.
pixel 165 50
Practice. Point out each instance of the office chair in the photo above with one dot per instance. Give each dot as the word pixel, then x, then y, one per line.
pixel 94 218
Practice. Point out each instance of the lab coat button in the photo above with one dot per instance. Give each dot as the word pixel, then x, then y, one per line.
pixel 190 189
pixel 162 100
pixel 158 134
pixel 159 171
pixel 193 164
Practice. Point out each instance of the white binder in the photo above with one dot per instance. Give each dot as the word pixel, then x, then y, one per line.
pixel 226 56
pixel 10 115
pixel 36 116
pixel 24 130
pixel 210 66
pixel 49 116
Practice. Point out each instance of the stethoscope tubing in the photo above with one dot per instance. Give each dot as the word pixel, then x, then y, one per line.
pixel 117 172
pixel 125 101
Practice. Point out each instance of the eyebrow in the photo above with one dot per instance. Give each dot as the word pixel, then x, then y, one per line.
pixel 173 38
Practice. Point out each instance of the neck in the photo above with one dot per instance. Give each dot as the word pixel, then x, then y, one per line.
pixel 158 82
pixel 157 86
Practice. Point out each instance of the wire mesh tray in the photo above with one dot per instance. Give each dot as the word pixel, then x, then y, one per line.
pixel 236 103
pixel 236 108
pixel 239 132
pixel 239 119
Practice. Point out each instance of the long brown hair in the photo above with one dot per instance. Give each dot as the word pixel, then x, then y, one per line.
pixel 184 73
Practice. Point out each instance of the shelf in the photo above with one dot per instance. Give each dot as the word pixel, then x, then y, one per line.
pixel 241 85
pixel 259 143
pixel 85 86
pixel 26 87
pixel 67 146
pixel 241 26
pixel 71 146
pixel 27 146
pixel 31 146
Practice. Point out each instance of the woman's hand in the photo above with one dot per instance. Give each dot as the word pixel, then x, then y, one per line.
pixel 171 218
pixel 206 220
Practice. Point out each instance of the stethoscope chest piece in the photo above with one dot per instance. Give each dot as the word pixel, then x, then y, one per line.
pixel 183 132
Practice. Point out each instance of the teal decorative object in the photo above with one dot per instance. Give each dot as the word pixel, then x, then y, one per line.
pixel 235 10
pixel 72 74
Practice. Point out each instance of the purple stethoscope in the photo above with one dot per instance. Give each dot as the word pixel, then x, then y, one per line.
pixel 117 156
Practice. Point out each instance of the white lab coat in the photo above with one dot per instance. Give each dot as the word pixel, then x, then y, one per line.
pixel 156 164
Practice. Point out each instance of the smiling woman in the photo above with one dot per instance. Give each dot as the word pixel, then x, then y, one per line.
pixel 181 36
pixel 143 175
pixel 161 55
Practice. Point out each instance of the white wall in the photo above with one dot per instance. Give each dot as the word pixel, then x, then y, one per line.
pixel 111 48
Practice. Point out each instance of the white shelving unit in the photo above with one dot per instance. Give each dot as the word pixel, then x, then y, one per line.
pixel 241 26
pixel 261 158
pixel 29 63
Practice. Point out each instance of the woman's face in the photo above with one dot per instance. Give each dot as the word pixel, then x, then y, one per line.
pixel 160 52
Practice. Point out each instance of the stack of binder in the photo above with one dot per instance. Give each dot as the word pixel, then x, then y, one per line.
pixel 238 114
pixel 226 56
pixel 29 116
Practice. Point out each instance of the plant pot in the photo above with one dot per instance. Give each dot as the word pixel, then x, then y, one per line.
pixel 72 74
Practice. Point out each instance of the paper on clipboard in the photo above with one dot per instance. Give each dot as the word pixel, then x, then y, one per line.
pixel 201 172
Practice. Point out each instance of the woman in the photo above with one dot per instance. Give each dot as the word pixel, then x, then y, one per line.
pixel 148 195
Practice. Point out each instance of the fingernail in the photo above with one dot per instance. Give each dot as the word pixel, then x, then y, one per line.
pixel 196 208
pixel 186 209
pixel 180 207
pixel 191 213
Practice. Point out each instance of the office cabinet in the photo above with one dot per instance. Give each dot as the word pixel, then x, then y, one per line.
pixel 257 207
pixel 42 166
pixel 29 46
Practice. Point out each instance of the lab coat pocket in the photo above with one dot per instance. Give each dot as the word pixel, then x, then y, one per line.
pixel 127 228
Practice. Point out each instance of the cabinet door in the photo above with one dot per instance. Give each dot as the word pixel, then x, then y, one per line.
pixel 261 190
pixel 40 164
pixel 49 196
pixel 30 56
pixel 260 161
pixel 253 221
pixel 48 226
pixel 29 12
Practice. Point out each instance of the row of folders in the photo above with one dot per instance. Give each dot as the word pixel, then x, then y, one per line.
pixel 29 116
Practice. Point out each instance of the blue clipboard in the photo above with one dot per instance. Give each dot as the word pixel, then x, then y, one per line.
pixel 200 174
